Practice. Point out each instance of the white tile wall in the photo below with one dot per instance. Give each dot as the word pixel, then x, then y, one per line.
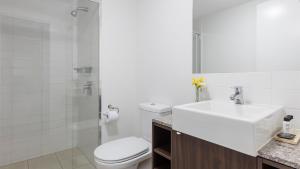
pixel 34 80
pixel 279 88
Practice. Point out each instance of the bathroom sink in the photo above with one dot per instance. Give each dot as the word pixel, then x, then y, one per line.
pixel 243 128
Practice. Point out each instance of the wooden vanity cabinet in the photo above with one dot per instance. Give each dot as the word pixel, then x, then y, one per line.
pixel 176 150
pixel 192 153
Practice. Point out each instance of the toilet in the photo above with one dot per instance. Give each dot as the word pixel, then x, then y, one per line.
pixel 127 153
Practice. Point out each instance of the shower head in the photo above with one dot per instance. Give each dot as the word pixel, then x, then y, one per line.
pixel 74 13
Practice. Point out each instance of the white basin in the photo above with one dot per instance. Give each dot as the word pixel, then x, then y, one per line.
pixel 244 128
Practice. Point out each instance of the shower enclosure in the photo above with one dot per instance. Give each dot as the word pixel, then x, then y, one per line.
pixel 49 83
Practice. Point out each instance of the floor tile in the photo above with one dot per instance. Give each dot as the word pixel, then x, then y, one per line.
pixel 68 154
pixel 89 166
pixel 72 159
pixel 67 159
pixel 19 165
pixel 44 162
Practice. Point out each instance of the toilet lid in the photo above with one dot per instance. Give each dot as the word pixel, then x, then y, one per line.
pixel 121 150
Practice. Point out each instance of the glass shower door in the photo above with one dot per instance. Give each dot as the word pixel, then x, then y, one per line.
pixel 36 51
pixel 86 79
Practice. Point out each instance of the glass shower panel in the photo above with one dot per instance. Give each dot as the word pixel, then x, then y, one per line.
pixel 49 83
pixel 24 89
pixel 86 78
pixel 36 52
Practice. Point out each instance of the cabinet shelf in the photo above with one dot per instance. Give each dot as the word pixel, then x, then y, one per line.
pixel 164 151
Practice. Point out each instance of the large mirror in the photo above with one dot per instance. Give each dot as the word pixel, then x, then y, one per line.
pixel 246 35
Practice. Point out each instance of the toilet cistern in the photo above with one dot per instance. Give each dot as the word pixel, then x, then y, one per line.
pixel 238 96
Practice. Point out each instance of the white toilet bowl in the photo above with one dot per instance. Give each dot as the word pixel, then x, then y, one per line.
pixel 124 153
pixel 127 153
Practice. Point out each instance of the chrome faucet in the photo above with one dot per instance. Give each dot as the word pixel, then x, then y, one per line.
pixel 87 88
pixel 238 96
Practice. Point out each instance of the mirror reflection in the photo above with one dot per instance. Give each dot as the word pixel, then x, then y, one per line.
pixel 246 35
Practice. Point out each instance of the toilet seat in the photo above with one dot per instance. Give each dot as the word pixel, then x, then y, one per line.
pixel 122 152
pixel 125 164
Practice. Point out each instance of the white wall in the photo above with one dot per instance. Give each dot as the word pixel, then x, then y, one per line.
pixel 165 51
pixel 278 35
pixel 118 66
pixel 136 39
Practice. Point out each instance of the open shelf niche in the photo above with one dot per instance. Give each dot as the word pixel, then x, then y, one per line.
pixel 161 146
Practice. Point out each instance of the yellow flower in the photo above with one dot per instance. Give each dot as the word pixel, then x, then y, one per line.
pixel 198 82
pixel 194 81
pixel 202 79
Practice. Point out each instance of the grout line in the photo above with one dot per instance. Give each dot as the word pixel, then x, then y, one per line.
pixel 90 163
pixel 82 154
pixel 58 160
pixel 27 164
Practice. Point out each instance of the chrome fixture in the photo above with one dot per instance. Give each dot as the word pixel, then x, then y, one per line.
pixel 238 96
pixel 113 108
pixel 74 13
pixel 86 69
pixel 87 88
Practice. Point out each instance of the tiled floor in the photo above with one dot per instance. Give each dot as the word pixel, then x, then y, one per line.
pixel 68 159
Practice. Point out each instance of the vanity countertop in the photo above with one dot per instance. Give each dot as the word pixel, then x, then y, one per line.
pixel 165 121
pixel 283 153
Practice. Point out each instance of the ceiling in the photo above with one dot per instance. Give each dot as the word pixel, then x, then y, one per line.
pixel 204 7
